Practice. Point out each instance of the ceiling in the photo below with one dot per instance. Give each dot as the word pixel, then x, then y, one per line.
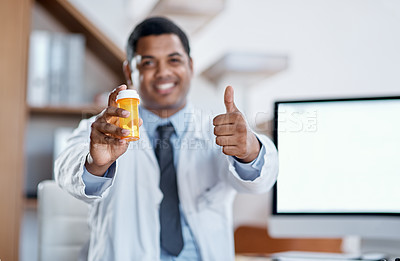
pixel 117 17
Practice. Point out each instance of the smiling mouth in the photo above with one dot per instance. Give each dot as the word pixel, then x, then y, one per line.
pixel 165 88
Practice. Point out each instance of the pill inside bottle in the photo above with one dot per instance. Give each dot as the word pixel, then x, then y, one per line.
pixel 129 100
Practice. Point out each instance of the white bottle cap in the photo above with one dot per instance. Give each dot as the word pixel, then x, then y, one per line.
pixel 128 94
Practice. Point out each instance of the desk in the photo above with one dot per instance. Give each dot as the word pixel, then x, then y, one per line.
pixel 290 256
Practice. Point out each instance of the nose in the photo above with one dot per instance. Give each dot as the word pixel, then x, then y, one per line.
pixel 163 70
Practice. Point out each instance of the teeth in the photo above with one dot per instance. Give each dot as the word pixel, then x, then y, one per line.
pixel 165 86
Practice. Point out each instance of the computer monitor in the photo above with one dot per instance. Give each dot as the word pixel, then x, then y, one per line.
pixel 339 169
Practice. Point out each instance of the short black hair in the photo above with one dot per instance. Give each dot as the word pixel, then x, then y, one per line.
pixel 155 26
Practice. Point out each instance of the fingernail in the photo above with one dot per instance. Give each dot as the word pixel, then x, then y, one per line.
pixel 125 113
pixel 125 132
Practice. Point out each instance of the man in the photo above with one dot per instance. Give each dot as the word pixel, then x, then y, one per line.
pixel 164 198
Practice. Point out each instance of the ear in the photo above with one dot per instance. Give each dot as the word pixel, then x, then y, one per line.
pixel 191 65
pixel 127 72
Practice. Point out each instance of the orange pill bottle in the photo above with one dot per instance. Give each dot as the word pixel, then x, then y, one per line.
pixel 129 100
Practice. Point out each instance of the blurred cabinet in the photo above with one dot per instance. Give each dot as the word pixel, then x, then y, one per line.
pixel 14 29
pixel 102 73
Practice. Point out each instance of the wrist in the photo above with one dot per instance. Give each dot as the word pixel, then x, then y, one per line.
pixel 95 169
pixel 254 150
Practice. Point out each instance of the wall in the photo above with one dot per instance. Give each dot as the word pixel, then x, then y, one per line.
pixel 113 17
pixel 336 48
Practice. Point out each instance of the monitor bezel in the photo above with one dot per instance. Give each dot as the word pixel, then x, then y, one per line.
pixel 275 140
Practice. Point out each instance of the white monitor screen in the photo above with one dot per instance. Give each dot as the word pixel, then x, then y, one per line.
pixel 338 156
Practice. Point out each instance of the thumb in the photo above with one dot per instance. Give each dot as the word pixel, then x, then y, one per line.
pixel 229 100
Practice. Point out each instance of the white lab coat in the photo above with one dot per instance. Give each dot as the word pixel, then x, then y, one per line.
pixel 124 219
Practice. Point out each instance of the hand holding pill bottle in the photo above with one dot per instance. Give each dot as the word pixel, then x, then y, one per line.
pixel 129 100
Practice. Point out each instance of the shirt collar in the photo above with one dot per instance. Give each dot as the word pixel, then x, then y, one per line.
pixel 151 121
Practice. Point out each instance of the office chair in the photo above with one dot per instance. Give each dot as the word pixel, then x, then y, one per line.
pixel 62 223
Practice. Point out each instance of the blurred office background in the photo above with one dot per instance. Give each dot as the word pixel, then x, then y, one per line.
pixel 267 50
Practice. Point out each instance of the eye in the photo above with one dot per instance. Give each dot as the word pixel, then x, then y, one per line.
pixel 175 61
pixel 147 64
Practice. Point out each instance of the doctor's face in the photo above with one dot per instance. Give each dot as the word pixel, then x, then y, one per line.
pixel 164 70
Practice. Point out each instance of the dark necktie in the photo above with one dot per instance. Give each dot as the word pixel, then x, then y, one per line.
pixel 170 221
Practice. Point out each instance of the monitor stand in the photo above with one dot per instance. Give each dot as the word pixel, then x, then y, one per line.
pixel 365 246
pixel 354 248
pixel 386 246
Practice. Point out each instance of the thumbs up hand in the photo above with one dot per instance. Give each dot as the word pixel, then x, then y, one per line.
pixel 233 133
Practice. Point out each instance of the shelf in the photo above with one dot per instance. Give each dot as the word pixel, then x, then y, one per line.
pixel 30 203
pixel 64 12
pixel 192 16
pixel 85 111
pixel 254 66
pixel 102 70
